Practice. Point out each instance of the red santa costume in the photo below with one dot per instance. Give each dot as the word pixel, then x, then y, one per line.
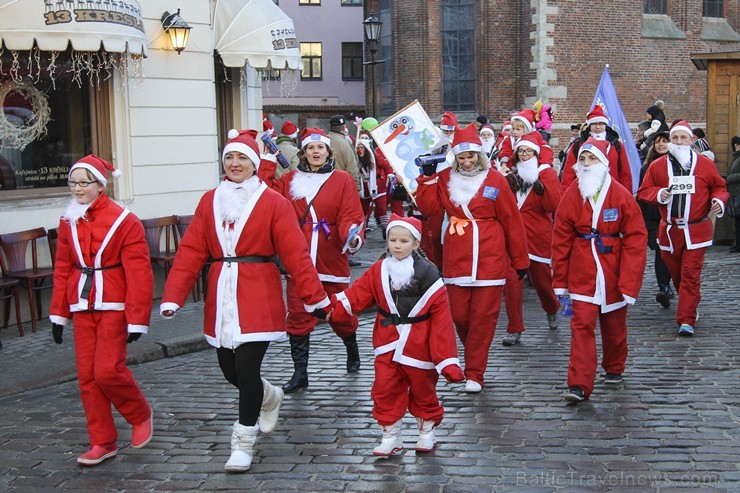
pixel 598 255
pixel 486 231
pixel 327 205
pixel 413 337
pixel 685 230
pixel 373 174
pixel 619 166
pixel 103 281
pixel 501 140
pixel 538 195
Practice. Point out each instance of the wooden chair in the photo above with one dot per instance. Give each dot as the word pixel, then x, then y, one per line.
pixel 52 235
pixel 14 247
pixel 200 285
pixel 154 229
pixel 8 290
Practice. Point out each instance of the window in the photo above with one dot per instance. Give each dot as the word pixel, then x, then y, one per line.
pixel 309 2
pixel 713 8
pixel 387 101
pixel 351 2
pixel 311 61
pixel 351 61
pixel 458 54
pixel 659 7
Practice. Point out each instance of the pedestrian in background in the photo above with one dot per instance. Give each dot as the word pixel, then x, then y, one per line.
pixel 287 145
pixel 344 155
pixel 242 225
pixel 103 282
pixel 374 169
pixel 733 187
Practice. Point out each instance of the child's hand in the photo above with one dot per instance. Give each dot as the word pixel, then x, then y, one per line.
pixel 453 373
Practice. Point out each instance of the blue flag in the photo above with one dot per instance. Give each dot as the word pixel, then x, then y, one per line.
pixel 606 97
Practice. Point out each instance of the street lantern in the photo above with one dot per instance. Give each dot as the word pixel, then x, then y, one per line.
pixel 372 32
pixel 177 29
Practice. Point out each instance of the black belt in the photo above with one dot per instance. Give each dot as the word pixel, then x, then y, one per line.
pixel 674 223
pixel 249 259
pixel 89 271
pixel 599 244
pixel 395 319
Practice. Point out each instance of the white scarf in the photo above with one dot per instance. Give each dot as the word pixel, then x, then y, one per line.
pixel 233 198
pixel 528 171
pixel 463 188
pixel 305 184
pixel 400 271
pixel 590 178
pixel 682 154
pixel 75 211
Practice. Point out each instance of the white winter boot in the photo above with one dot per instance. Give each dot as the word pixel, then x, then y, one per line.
pixel 392 442
pixel 427 441
pixel 272 398
pixel 242 443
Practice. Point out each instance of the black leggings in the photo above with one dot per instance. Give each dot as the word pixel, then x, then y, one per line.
pixel 241 367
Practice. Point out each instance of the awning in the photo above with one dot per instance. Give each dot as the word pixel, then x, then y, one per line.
pixel 53 25
pixel 255 31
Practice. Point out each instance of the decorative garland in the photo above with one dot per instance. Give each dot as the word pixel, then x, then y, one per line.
pixel 18 136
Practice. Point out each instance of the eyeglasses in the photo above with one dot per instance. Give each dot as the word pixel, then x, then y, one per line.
pixel 82 184
pixel 525 151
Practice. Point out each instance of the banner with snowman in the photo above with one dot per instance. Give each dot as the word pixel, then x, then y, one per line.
pixel 403 137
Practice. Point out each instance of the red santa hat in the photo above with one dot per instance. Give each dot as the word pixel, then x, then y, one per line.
pixel 531 141
pixel 466 139
pixel 682 125
pixel 314 135
pixel 243 141
pixel 526 117
pixel 267 127
pixel 289 129
pixel 99 167
pixel 410 223
pixel 489 128
pixel 448 121
pixel 597 115
pixel 599 148
pixel 507 126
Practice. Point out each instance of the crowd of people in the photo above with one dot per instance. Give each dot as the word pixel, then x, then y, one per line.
pixel 488 216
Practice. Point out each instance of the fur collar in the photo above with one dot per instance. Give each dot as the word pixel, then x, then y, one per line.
pixel 305 184
pixel 463 188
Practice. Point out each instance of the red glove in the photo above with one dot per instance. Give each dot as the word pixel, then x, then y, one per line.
pixel 453 373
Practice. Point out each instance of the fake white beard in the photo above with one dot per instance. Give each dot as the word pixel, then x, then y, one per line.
pixel 305 184
pixel 75 211
pixel 681 153
pixel 527 170
pixel 400 271
pixel 591 178
pixel 488 144
pixel 599 136
pixel 233 198
pixel 463 188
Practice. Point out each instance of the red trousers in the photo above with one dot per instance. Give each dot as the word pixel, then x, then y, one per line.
pixel 582 367
pixel 541 276
pixel 685 267
pixel 396 207
pixel 431 238
pixel 399 387
pixel 102 374
pixel 301 323
pixel 381 209
pixel 475 313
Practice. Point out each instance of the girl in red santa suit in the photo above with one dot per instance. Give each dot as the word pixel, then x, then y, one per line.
pixel 598 257
pixel 537 191
pixel 522 123
pixel 103 282
pixel 242 225
pixel 485 236
pixel 327 205
pixel 374 169
pixel 413 336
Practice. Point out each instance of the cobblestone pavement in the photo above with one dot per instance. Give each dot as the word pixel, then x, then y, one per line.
pixel 673 425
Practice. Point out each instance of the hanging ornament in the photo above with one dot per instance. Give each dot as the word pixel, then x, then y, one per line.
pixel 25 125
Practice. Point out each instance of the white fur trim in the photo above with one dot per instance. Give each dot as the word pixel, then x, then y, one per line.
pixel 168 306
pixel 462 189
pixel 595 151
pixel 233 134
pixel 244 149
pixel 678 128
pixel 524 121
pixel 527 143
pixel 92 169
pixel 466 147
pixel 414 232
pixel 321 304
pixel 599 119
pixel 315 138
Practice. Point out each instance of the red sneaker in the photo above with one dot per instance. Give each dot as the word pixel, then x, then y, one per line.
pixel 97 454
pixel 143 432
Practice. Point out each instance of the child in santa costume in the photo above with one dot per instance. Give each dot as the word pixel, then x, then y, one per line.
pixel 522 123
pixel 687 188
pixel 598 258
pixel 374 169
pixel 413 336
pixel 598 128
pixel 242 225
pixel 538 193
pixel 103 282
pixel 485 236
pixel 326 203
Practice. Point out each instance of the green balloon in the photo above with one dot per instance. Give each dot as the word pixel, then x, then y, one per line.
pixel 369 123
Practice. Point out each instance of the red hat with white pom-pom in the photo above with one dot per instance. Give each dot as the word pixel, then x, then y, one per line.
pixel 597 115
pixel 526 118
pixel 529 140
pixel 243 141
pixel 314 135
pixel 410 223
pixel 97 166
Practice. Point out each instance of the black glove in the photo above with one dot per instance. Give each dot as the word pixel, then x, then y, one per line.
pixel 319 313
pixel 539 188
pixel 56 332
pixel 513 180
pixel 521 273
pixel 132 337
pixel 429 169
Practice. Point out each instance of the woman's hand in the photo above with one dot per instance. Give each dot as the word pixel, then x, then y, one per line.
pixel 168 313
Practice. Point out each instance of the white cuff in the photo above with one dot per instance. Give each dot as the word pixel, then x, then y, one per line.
pixel 269 157
pixel 342 298
pixel 561 292
pixel 56 319
pixel 661 191
pixel 138 329
pixel 629 299
pixel 359 245
pixel 722 205
pixel 168 306
pixel 447 362
pixel 321 304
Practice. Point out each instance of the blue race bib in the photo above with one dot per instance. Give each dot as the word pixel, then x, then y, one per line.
pixel 490 193
pixel 610 215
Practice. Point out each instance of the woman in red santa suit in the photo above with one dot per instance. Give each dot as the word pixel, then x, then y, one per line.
pixel 485 236
pixel 373 173
pixel 537 191
pixel 103 282
pixel 327 205
pixel 413 336
pixel 598 258
pixel 242 225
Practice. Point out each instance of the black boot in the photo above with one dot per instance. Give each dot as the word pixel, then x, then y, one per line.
pixel 299 351
pixel 353 353
pixel 663 296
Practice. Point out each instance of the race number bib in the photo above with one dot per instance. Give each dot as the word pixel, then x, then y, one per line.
pixel 683 185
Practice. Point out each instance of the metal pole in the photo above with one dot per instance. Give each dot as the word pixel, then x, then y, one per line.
pixel 372 79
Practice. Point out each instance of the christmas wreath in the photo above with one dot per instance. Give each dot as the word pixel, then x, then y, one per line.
pixel 26 125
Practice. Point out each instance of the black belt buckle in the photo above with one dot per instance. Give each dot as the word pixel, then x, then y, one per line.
pixel 391 320
pixel 88 271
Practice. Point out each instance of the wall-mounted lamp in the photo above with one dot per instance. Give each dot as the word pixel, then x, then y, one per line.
pixel 178 30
